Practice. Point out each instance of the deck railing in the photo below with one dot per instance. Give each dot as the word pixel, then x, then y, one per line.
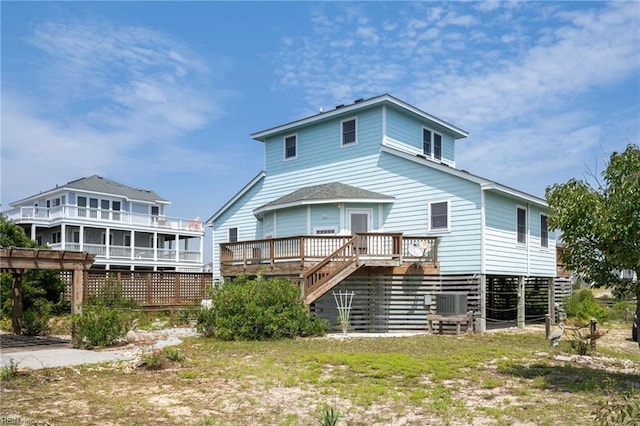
pixel 138 253
pixel 371 245
pixel 96 215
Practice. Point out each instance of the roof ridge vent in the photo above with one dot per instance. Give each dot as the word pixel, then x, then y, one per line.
pixel 358 100
pixel 339 106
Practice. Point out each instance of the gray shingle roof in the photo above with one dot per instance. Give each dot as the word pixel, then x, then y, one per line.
pixel 107 186
pixel 327 191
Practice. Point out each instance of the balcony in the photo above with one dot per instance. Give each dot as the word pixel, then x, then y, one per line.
pixel 46 216
pixel 295 255
pixel 141 255
pixel 322 262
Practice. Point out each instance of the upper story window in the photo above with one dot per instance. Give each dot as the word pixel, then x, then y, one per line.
pixel 439 216
pixel 233 235
pixel 431 144
pixel 349 132
pixel 521 225
pixel 290 147
pixel 544 230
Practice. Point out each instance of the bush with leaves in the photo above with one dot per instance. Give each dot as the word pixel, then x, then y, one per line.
pixel 624 410
pixel 258 309
pixel 583 306
pixel 35 320
pixel 99 325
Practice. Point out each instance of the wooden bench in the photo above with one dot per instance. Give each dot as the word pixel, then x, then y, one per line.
pixel 457 319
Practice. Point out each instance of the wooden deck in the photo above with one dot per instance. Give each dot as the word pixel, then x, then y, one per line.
pixel 321 262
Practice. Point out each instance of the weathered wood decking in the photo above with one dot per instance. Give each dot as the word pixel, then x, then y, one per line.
pixel 321 262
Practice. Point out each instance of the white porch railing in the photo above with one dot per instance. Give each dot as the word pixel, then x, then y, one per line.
pixel 102 216
pixel 139 253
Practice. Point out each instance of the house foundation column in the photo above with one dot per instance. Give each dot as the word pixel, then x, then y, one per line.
pixel 481 321
pixel 552 298
pixel 521 310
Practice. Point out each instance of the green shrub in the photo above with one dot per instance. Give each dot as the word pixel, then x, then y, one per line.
pixel 622 311
pixel 154 360
pixel 624 410
pixel 583 306
pixel 35 320
pixel 99 326
pixel 173 354
pixel 258 309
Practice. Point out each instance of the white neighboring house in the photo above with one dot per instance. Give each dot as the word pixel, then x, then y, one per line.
pixel 126 228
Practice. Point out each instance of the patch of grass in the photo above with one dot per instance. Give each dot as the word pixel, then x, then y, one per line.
pixel 9 370
pixel 495 378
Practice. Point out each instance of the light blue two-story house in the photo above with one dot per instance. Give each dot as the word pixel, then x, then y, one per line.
pixel 366 198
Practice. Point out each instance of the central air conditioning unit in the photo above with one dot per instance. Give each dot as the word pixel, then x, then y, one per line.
pixel 454 303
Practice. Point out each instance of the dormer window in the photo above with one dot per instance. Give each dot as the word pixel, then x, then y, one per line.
pixel 290 147
pixel 349 132
pixel 431 144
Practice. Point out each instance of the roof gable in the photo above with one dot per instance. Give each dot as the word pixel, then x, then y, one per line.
pixel 99 185
pixel 340 110
pixel 102 185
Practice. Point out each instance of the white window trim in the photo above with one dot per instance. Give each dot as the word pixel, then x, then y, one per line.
pixel 346 145
pixel 526 225
pixel 432 145
pixel 368 212
pixel 429 209
pixel 540 222
pixel 284 147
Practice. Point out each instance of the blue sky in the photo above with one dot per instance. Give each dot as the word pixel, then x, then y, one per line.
pixel 164 95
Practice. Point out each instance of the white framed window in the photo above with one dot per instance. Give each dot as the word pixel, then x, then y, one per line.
pixel 439 214
pixel 290 147
pixel 233 235
pixel 325 230
pixel 349 129
pixel 431 144
pixel 544 231
pixel 521 225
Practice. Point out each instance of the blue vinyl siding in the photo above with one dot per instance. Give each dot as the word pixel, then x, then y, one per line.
pixel 325 216
pixel 321 143
pixel 413 185
pixel 291 222
pixel 503 254
pixel 403 128
pixel 411 181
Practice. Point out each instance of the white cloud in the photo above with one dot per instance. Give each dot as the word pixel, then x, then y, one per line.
pixel 515 74
pixel 108 100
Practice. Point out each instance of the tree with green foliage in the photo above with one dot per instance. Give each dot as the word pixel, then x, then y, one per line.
pixel 11 235
pixel 600 223
pixel 40 289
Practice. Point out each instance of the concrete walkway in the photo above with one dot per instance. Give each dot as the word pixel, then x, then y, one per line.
pixel 41 356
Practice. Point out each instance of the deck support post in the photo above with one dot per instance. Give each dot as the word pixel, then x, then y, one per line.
pixel 552 298
pixel 521 304
pixel 481 321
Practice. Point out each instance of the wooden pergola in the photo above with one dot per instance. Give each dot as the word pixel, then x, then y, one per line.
pixel 16 261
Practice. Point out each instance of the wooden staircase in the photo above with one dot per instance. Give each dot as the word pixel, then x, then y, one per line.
pixel 332 270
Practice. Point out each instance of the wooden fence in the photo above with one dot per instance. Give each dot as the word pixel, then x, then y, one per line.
pixel 148 289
